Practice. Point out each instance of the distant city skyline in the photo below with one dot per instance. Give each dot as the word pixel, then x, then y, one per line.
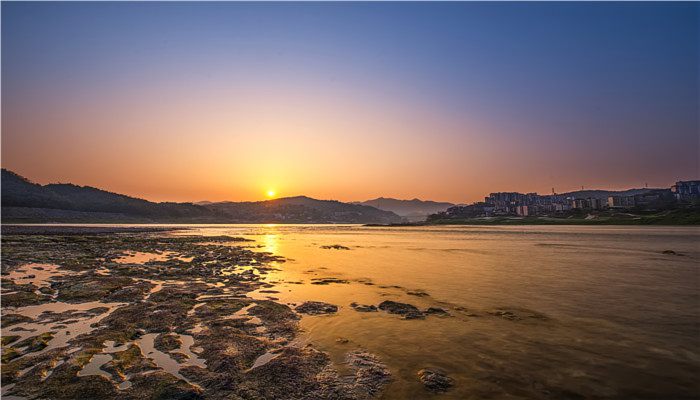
pixel 350 101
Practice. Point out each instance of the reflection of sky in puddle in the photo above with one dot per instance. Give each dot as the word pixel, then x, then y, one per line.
pixel 94 366
pixel 164 361
pixel 146 345
pixel 80 323
pixel 140 257
pixel 38 275
pixel 264 359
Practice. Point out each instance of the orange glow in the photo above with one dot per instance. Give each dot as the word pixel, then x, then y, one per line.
pixel 444 105
pixel 347 144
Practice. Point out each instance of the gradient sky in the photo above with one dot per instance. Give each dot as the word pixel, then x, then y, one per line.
pixel 350 101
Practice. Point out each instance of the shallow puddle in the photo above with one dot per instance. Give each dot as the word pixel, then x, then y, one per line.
pixel 73 319
pixel 94 367
pixel 264 359
pixel 165 361
pixel 140 257
pixel 39 275
pixel 243 313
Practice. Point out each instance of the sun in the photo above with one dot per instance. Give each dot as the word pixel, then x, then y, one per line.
pixel 271 193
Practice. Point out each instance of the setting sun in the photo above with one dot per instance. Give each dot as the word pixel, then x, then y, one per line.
pixel 270 193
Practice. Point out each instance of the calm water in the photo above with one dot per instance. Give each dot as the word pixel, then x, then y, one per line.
pixel 624 318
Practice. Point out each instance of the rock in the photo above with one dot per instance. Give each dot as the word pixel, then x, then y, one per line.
pixel 179 357
pixel 326 281
pixel 12 319
pixel 509 315
pixel 7 339
pixel 363 307
pixel 435 380
pixel 341 340
pixel 128 362
pixel 22 299
pixel 418 293
pixel 671 253
pixel 316 308
pixel 371 375
pixel 441 312
pixel 8 354
pixel 408 311
pixel 335 247
pixel 165 386
pixel 518 314
pixel 35 343
pixel 166 342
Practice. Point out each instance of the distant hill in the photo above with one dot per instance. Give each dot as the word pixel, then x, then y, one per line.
pixel 25 201
pixel 604 194
pixel 414 210
pixel 302 209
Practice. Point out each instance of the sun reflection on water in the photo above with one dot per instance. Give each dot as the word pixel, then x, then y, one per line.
pixel 271 239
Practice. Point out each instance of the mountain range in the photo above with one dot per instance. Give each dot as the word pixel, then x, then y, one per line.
pixel 301 209
pixel 412 210
pixel 25 201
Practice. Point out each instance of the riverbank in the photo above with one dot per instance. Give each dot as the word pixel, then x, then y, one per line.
pixel 92 313
pixel 679 217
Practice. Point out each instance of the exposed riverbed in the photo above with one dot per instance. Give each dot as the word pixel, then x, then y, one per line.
pixel 450 312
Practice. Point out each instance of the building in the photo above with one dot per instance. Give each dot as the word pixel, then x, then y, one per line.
pixel 655 199
pixel 621 202
pixel 561 207
pixel 469 211
pixel 579 204
pixel 590 203
pixel 557 205
pixel 596 203
pixel 686 190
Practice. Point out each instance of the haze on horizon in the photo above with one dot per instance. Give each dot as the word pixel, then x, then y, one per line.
pixel 350 101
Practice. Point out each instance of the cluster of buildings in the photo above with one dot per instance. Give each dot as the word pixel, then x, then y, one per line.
pixel 686 191
pixel 527 204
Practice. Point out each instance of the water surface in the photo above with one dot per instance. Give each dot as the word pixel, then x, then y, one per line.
pixel 544 312
pixel 623 319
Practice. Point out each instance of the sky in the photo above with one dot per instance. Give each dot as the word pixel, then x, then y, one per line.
pixel 350 101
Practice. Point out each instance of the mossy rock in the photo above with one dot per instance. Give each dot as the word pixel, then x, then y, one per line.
pixel 13 319
pixel 129 361
pixel 36 343
pixel 9 354
pixel 167 342
pixel 8 339
pixel 220 308
pixel 22 299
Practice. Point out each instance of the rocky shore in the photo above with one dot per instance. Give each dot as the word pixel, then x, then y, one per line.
pixel 131 314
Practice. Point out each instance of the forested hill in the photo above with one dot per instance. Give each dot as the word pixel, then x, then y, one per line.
pixel 25 201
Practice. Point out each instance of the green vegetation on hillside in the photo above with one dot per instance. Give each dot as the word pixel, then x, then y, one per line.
pixel 681 216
